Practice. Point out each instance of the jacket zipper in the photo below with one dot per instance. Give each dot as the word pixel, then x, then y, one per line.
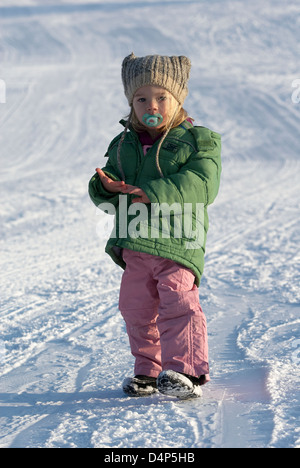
pixel 142 158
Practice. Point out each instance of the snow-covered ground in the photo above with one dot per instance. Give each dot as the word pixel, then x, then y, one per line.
pixel 63 347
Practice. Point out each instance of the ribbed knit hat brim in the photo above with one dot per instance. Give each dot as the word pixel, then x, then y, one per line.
pixel 170 73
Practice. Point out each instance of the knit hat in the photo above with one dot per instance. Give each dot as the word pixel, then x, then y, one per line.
pixel 170 73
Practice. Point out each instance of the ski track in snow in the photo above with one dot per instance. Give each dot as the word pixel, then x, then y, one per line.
pixel 63 347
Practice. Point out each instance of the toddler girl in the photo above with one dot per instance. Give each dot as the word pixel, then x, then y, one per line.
pixel 171 169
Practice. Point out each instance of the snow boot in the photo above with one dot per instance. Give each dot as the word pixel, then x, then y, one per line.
pixel 182 386
pixel 140 386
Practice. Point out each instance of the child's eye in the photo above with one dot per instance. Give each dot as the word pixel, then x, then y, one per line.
pixel 162 98
pixel 141 99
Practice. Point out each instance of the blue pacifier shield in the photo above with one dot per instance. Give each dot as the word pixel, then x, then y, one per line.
pixel 152 120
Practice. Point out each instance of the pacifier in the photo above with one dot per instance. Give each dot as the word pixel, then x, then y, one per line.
pixel 152 120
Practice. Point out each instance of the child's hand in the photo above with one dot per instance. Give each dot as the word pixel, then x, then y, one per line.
pixel 132 190
pixel 120 186
pixel 109 184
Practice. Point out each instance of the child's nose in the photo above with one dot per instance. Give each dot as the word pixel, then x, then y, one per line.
pixel 152 106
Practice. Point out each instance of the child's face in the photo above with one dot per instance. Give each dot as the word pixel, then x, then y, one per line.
pixel 154 100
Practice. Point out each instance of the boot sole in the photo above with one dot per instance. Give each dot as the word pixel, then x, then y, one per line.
pixel 172 383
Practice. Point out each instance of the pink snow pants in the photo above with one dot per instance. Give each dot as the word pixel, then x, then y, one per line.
pixel 165 323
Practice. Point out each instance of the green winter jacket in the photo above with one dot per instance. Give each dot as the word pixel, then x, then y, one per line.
pixel 175 224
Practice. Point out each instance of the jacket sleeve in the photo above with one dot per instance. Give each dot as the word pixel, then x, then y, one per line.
pixel 197 181
pixel 98 193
